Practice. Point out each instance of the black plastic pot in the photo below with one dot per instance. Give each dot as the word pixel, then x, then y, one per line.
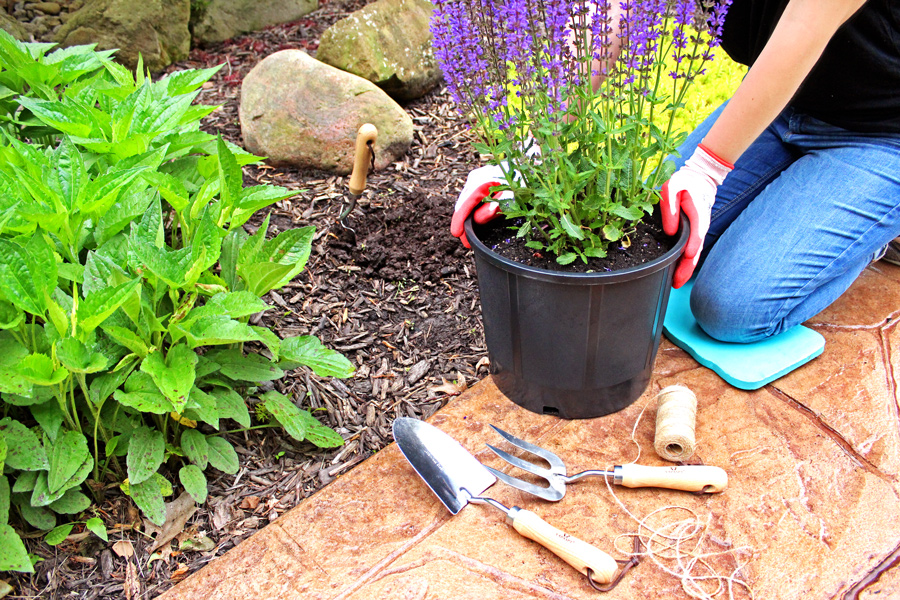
pixel 574 345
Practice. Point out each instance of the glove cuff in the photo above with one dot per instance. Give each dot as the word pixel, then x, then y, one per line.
pixel 710 164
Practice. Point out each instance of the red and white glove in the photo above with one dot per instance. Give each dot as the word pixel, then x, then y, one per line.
pixel 476 189
pixel 692 189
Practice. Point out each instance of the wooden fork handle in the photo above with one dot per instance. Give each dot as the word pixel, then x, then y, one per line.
pixel 574 551
pixel 690 478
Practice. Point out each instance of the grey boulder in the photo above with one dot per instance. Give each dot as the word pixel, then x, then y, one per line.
pixel 298 111
pixel 218 20
pixel 387 42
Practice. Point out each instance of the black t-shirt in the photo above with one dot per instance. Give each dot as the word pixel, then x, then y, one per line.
pixel 856 82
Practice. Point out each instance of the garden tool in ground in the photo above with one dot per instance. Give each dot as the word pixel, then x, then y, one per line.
pixel 691 478
pixel 363 159
pixel 457 478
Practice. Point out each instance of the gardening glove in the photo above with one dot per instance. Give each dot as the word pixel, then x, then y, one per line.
pixel 476 189
pixel 692 189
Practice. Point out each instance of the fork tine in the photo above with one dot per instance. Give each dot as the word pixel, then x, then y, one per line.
pixel 522 464
pixel 556 463
pixel 547 493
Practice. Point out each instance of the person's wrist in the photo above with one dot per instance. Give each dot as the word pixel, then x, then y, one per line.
pixel 711 164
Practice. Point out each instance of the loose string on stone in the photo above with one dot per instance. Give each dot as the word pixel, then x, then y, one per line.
pixel 682 541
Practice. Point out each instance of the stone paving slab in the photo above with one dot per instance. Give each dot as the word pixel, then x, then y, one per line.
pixel 812 509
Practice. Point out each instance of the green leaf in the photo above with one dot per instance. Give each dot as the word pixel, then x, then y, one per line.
pixel 149 496
pixel 58 534
pixel 67 116
pixel 13 555
pixel 252 367
pixel 230 304
pixel 228 260
pixel 95 525
pixel 42 496
pixel 38 517
pixel 27 273
pixel 286 413
pixel 78 358
pixel 11 354
pixel 25 481
pixel 39 369
pixel 263 277
pixel 67 455
pixel 231 179
pixel 320 435
pixel 255 198
pixel 307 350
pixel 72 503
pixel 24 450
pixel 4 500
pixel 630 213
pixel 231 405
pixel 213 330
pixel 99 305
pixel 10 315
pixel 146 451
pixel 142 394
pixel 175 375
pixel 49 416
pixel 195 447
pixel 565 259
pixel 202 407
pixel 222 455
pixel 194 482
pixel 572 229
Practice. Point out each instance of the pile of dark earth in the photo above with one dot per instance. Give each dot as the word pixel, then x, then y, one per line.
pixel 397 296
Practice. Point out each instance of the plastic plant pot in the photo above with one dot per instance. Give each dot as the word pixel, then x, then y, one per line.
pixel 573 345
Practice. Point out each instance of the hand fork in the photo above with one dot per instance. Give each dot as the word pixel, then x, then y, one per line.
pixel 691 478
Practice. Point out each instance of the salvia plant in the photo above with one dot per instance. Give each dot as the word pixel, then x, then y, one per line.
pixel 127 287
pixel 575 100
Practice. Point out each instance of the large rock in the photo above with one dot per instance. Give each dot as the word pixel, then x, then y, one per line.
pixel 218 20
pixel 157 30
pixel 387 42
pixel 296 110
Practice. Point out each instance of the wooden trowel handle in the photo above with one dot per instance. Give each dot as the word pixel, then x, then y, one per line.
pixel 366 134
pixel 577 553
pixel 691 478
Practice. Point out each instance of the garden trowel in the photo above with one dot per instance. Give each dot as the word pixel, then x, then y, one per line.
pixel 362 160
pixel 457 478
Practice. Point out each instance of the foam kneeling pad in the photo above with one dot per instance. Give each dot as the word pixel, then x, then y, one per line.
pixel 745 366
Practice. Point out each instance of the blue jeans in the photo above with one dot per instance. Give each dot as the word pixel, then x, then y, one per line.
pixel 806 209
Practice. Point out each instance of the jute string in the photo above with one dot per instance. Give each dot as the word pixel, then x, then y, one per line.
pixel 676 420
pixel 677 540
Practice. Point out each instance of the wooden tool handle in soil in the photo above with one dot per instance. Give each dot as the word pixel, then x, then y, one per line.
pixel 690 478
pixel 367 133
pixel 577 553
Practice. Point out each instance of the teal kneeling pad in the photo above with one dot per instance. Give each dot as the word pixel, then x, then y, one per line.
pixel 745 366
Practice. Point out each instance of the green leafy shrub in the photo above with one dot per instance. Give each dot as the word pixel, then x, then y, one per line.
pixel 127 283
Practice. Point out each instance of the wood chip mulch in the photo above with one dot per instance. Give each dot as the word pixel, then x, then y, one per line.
pixel 396 295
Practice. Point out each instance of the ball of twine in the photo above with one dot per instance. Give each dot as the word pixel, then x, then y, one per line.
pixel 676 417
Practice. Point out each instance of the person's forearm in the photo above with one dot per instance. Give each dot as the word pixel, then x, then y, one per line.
pixel 798 41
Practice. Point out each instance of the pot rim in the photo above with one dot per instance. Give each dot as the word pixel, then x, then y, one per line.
pixel 563 277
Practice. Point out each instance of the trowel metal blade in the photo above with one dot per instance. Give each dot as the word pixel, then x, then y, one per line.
pixel 450 471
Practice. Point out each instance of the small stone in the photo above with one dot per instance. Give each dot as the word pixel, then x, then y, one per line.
pixel 48 8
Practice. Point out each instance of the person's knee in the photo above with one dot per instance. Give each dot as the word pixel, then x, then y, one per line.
pixel 728 314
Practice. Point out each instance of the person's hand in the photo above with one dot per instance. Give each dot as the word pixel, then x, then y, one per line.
pixel 476 189
pixel 692 189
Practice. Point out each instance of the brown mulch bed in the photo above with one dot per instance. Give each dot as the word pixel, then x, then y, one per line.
pixel 396 295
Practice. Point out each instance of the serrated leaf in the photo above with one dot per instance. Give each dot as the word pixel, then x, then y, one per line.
pixel 222 455
pixel 97 306
pixel 572 229
pixel 320 435
pixel 565 259
pixel 252 367
pixel 67 455
pixel 175 375
pixel 49 416
pixel 78 358
pixel 231 405
pixel 71 503
pixel 307 350
pixel 13 555
pixel 24 450
pixel 39 369
pixel 195 447
pixel 11 354
pixel 286 413
pixel 142 394
pixel 194 482
pixel 216 330
pixel 27 273
pixel 146 451
pixel 96 526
